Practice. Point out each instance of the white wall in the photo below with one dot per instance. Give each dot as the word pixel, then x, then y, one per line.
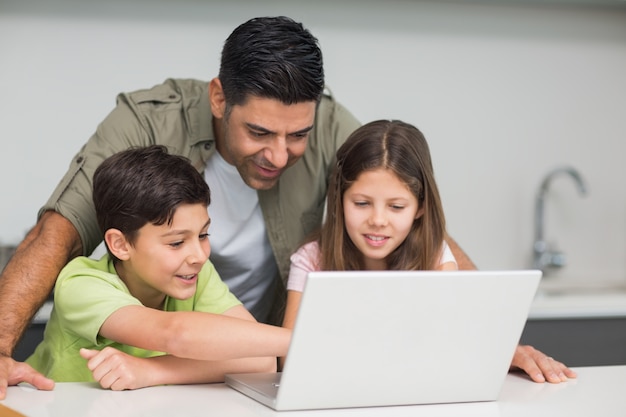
pixel 504 91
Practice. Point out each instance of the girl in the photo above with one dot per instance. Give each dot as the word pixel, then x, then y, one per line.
pixel 383 210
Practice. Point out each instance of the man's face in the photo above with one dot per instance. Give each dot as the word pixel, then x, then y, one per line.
pixel 264 137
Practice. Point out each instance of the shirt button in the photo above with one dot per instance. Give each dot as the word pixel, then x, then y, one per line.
pixel 79 160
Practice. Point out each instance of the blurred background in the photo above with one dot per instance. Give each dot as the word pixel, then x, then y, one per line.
pixel 504 91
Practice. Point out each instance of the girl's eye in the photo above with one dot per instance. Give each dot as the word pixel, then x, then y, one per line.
pixel 361 203
pixel 176 244
pixel 397 207
pixel 204 236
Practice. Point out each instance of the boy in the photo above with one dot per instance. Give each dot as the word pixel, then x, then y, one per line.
pixel 153 310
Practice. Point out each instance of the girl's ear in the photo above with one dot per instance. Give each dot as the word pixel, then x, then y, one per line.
pixel 117 244
pixel 420 213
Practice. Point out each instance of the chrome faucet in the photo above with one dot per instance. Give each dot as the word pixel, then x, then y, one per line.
pixel 544 256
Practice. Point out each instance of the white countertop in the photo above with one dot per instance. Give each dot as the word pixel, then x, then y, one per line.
pixel 596 391
pixel 562 302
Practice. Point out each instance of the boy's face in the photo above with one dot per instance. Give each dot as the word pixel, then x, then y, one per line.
pixel 166 259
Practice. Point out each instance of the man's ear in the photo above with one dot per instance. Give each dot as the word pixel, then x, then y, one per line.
pixel 216 98
pixel 117 244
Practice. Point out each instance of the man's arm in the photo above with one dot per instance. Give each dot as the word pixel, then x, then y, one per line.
pixel 462 260
pixel 27 280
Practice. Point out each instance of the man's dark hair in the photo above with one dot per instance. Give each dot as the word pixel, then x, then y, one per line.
pixel 271 57
pixel 144 185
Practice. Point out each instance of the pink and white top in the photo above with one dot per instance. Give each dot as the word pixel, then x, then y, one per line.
pixel 306 259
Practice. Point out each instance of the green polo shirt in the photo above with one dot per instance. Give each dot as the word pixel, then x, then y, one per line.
pixel 87 292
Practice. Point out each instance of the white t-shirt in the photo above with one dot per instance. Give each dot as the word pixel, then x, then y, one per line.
pixel 240 249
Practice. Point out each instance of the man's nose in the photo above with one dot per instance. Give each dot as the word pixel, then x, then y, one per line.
pixel 277 153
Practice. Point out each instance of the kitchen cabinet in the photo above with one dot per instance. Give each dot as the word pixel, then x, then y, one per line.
pixel 591 341
pixel 34 333
pixel 30 340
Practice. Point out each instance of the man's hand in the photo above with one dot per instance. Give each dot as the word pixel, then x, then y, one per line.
pixel 13 372
pixel 540 367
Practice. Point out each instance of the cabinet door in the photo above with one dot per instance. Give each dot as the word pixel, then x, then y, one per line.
pixel 579 342
pixel 30 340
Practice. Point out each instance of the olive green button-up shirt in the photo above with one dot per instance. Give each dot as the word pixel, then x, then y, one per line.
pixel 177 114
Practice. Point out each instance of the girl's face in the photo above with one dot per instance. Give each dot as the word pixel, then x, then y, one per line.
pixel 379 210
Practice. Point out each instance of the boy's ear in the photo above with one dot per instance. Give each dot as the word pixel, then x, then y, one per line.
pixel 216 98
pixel 117 244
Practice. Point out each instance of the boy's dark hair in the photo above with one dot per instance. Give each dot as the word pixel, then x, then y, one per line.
pixel 271 57
pixel 144 185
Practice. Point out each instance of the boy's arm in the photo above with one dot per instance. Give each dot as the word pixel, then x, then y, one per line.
pixel 118 371
pixel 196 335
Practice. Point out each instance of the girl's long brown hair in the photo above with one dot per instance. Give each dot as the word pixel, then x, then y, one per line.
pixel 402 149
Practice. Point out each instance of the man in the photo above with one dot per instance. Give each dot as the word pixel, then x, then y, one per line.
pixel 275 129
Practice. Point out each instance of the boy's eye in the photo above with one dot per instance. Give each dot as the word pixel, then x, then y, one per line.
pixel 204 236
pixel 176 244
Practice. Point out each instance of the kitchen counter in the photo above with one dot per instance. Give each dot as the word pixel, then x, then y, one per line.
pixel 561 302
pixel 579 325
pixel 597 389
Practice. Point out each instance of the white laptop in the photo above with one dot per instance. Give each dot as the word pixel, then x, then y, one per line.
pixel 383 338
